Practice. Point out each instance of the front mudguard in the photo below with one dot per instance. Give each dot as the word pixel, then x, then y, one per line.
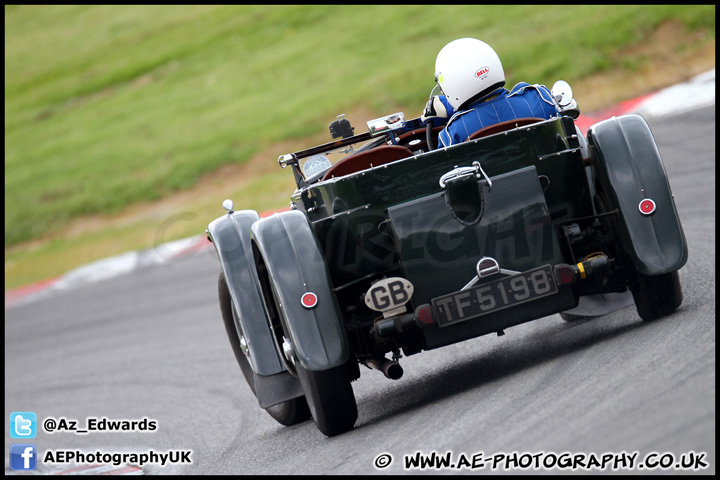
pixel 230 234
pixel 627 164
pixel 287 245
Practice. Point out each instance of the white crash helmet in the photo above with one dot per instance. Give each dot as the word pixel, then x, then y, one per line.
pixel 467 69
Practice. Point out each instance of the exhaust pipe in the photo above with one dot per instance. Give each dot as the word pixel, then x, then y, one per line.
pixel 389 368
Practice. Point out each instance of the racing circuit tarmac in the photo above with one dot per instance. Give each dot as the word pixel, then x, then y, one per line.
pixel 151 344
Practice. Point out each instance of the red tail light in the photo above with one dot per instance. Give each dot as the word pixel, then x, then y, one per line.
pixel 565 274
pixel 424 316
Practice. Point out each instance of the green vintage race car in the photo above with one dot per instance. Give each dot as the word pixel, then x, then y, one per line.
pixel 399 248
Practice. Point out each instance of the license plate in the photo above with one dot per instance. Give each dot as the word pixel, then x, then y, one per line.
pixel 491 297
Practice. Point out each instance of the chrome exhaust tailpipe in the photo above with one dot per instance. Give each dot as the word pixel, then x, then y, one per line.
pixel 389 368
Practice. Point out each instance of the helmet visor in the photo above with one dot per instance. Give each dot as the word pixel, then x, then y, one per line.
pixel 439 80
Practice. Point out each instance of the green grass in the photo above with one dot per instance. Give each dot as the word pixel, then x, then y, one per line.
pixel 107 106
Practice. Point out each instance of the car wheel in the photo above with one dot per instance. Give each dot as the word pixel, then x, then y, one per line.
pixel 328 393
pixel 286 413
pixel 657 296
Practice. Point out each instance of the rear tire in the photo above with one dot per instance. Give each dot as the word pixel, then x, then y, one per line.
pixel 291 412
pixel 331 399
pixel 286 413
pixel 329 396
pixel 657 296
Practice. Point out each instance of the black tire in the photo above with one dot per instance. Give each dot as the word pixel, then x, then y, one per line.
pixel 287 413
pixel 657 296
pixel 291 412
pixel 331 399
pixel 328 393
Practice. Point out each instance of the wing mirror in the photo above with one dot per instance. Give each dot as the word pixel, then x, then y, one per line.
pixel 563 95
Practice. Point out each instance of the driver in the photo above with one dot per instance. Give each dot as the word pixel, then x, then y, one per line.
pixel 471 77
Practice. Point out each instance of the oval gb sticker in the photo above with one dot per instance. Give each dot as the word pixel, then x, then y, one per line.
pixel 389 294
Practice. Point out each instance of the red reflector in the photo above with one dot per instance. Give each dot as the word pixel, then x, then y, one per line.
pixel 647 206
pixel 424 315
pixel 565 274
pixel 309 300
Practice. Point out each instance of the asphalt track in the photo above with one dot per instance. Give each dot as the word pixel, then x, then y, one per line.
pixel 151 344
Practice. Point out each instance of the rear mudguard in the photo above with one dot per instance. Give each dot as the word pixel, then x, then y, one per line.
pixel 290 250
pixel 230 235
pixel 627 164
